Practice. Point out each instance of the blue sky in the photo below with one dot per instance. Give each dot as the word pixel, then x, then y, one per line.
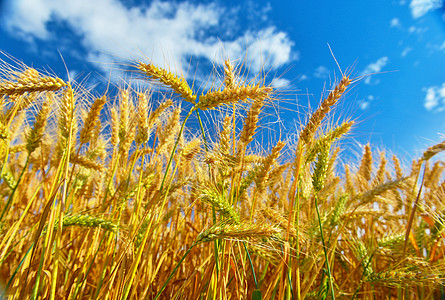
pixel 401 109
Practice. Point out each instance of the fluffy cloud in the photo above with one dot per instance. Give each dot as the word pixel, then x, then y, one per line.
pixel 374 67
pixel 167 33
pixel 421 7
pixel 435 98
pixel 281 83
pixel 321 72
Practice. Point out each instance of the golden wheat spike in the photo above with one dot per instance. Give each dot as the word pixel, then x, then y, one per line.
pixel 314 122
pixel 30 81
pixel 433 150
pixel 35 135
pixel 250 122
pixel 178 84
pixel 92 120
pixel 216 98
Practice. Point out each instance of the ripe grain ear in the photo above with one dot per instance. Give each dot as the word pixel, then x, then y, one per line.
pixel 314 122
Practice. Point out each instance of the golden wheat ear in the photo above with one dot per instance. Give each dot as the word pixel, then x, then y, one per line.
pixel 35 135
pixel 314 122
pixel 433 150
pixel 213 99
pixel 92 120
pixel 178 84
pixel 29 81
pixel 238 231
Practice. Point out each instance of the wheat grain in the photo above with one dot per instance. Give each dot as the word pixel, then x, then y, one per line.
pixel 262 176
pixel 314 122
pixel 124 116
pixel 85 162
pixel 339 209
pixel 433 150
pixel 211 195
pixel 4 131
pixel 115 127
pixel 369 195
pixel 278 219
pixel 241 231
pixel 92 120
pixel 30 84
pixel 178 84
pixel 154 116
pixel 415 167
pixel 229 78
pixel 67 122
pixel 35 135
pixel 142 135
pixel 321 167
pixel 397 277
pixel 169 130
pixel 213 99
pixel 330 137
pixel 380 175
pixel 433 176
pixel 225 136
pixel 17 148
pixel 250 123
pixel 9 179
pixel 365 168
pixel 87 221
pixel 145 125
pixel 191 149
pixel 398 169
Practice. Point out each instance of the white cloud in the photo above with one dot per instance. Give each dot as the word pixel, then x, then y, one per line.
pixel 364 105
pixel 166 33
pixel 435 98
pixel 421 7
pixel 366 102
pixel 417 30
pixel 303 77
pixel 395 22
pixel 374 67
pixel 280 83
pixel 436 47
pixel 406 51
pixel 267 48
pixel 321 72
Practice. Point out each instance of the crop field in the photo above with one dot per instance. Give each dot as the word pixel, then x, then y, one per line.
pixel 119 195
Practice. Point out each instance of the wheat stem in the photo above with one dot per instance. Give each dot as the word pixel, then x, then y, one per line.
pixel 331 279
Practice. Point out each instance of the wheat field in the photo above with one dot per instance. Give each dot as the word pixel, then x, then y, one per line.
pixel 123 197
